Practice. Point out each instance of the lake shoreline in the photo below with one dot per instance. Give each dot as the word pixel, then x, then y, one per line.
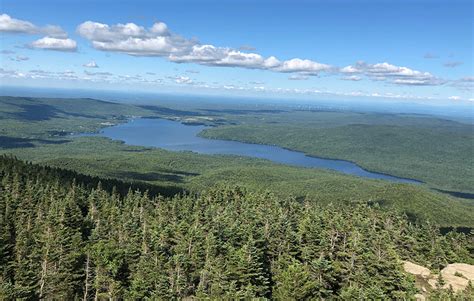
pixel 342 166
pixel 415 181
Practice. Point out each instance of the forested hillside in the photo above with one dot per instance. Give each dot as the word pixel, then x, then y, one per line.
pixel 70 239
pixel 433 150
pixel 39 130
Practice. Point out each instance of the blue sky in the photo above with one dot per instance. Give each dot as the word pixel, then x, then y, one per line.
pixel 402 50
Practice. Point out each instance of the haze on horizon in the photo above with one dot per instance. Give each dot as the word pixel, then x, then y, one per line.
pixel 315 50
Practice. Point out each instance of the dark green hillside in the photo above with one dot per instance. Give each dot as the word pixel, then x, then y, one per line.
pixel 61 240
pixel 47 140
pixel 194 172
pixel 435 151
pixel 37 120
pixel 66 177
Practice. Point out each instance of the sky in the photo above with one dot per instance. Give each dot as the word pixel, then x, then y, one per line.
pixel 404 50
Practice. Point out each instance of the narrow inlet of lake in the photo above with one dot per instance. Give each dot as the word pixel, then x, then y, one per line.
pixel 175 136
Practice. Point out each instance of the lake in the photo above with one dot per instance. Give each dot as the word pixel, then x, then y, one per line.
pixel 175 136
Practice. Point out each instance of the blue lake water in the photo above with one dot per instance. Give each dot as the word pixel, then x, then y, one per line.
pixel 175 136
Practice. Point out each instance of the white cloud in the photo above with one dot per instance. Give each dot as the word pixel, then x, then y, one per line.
pixel 299 65
pixel 393 74
pixel 104 33
pixel 12 25
pixel 9 24
pixel 91 64
pixel 49 43
pixel 182 80
pixel 211 55
pixel 55 37
pixel 159 28
pixel 107 77
pixel 350 69
pixel 158 40
pixel 133 39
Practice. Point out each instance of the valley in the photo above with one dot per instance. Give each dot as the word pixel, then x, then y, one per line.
pixel 53 140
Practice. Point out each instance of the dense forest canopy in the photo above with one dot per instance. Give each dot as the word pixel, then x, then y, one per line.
pixel 236 150
pixel 39 130
pixel 433 150
pixel 69 239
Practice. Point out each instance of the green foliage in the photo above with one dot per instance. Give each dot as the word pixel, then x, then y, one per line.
pixel 432 150
pixel 26 121
pixel 69 240
pixel 177 171
pixel 37 129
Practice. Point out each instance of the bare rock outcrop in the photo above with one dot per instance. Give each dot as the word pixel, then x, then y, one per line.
pixel 455 275
pixel 416 269
pixel 458 275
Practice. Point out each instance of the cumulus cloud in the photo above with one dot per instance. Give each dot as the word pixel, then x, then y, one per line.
pixel 91 64
pixel 225 57
pixel 55 37
pixel 393 74
pixel 9 24
pixel 133 39
pixel 12 25
pixel 158 40
pixel 452 64
pixel 58 44
pixel 302 66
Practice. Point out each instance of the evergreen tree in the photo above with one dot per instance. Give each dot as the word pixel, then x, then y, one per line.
pixel 67 239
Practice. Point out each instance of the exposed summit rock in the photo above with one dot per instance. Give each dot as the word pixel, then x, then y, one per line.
pixel 416 269
pixel 455 275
